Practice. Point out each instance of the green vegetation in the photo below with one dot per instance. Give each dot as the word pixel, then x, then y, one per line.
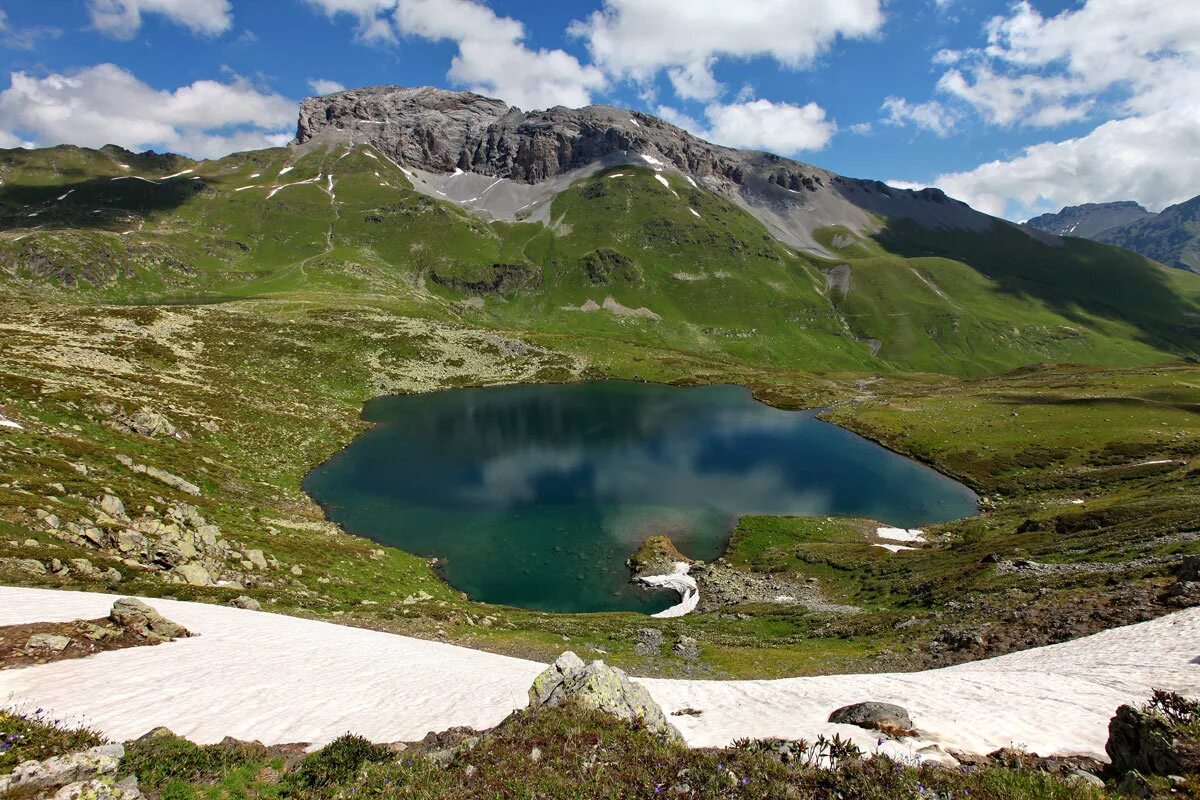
pixel 168 763
pixel 578 753
pixel 34 735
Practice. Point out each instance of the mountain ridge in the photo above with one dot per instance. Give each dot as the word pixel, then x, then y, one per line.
pixel 437 131
pixel 1171 237
pixel 1089 219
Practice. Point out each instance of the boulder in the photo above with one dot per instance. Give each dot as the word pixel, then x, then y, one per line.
pixel 96 763
pixel 134 615
pixel 46 643
pixel 248 603
pixel 149 422
pixel 194 574
pixel 30 565
pixel 601 687
pixel 126 789
pixel 686 648
pixel 872 716
pixel 649 642
pixel 112 506
pixel 84 567
pixel 1144 742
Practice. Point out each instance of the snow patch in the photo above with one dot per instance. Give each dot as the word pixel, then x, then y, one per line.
pixel 255 174
pixel 694 213
pixel 679 581
pixel 286 170
pixel 369 154
pixel 635 122
pixel 278 189
pixel 244 188
pixel 894 548
pixel 65 196
pixel 652 161
pixel 8 423
pixel 254 675
pixel 177 174
pixel 688 178
pixel 901 535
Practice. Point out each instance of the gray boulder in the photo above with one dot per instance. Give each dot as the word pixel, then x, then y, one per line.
pixel 194 574
pixel 46 643
pixel 113 506
pixel 601 687
pixel 248 603
pixel 97 763
pixel 872 715
pixel 125 789
pixel 686 648
pixel 649 642
pixel 134 615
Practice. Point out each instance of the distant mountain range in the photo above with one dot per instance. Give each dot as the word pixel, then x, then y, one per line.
pixel 1171 237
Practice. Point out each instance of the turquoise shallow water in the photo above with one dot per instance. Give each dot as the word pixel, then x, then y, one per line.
pixel 536 495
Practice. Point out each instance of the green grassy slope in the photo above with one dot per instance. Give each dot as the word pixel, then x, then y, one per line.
pixel 685 268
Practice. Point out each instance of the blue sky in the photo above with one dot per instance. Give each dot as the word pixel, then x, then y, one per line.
pixel 1015 107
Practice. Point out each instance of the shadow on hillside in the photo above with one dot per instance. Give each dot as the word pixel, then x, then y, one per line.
pixel 93 203
pixel 1079 280
pixel 1124 401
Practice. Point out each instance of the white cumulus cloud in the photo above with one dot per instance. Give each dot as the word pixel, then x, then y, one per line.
pixel 106 104
pixel 323 86
pixel 492 56
pixel 931 116
pixel 122 19
pixel 1154 159
pixel 781 128
pixel 639 38
pixel 1132 67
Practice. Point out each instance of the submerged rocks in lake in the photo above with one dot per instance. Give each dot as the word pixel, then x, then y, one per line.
pixel 601 687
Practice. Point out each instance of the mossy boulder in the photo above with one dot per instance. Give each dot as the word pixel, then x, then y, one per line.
pixel 600 687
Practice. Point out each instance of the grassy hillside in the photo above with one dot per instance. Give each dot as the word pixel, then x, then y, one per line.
pixel 683 267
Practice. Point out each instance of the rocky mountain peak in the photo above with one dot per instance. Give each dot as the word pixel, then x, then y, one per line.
pixel 440 132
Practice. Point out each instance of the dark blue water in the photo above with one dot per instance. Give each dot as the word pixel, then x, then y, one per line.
pixel 536 495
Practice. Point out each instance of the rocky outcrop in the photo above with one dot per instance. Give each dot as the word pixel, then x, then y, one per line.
pixel 88 774
pixel 135 616
pixel 873 716
pixel 601 687
pixel 1147 742
pixel 180 545
pixel 443 132
pixel 145 421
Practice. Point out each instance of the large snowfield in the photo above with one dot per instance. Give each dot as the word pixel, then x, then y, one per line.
pixel 255 675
